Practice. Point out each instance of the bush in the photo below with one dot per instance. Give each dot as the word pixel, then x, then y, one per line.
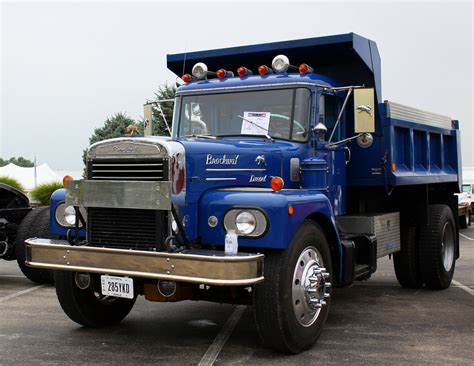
pixel 13 183
pixel 42 193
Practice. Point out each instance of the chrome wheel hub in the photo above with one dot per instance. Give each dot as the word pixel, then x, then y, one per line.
pixel 447 246
pixel 311 286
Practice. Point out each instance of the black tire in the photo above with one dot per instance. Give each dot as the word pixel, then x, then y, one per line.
pixel 35 224
pixel 88 307
pixel 273 303
pixel 437 248
pixel 405 261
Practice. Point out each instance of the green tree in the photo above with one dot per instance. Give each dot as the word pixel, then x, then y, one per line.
pixel 20 161
pixel 114 126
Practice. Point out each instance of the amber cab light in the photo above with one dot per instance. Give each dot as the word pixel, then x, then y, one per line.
pixel 277 184
pixel 305 68
pixel 263 70
pixel 66 179
pixel 394 167
pixel 187 78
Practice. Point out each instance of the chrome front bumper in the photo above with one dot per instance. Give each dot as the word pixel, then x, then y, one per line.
pixel 196 266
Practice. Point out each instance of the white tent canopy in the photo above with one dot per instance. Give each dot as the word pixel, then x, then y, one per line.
pixel 26 176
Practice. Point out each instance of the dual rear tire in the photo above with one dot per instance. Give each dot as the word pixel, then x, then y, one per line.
pixel 428 252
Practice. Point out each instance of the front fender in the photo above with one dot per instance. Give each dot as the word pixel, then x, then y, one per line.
pixel 282 226
pixel 56 230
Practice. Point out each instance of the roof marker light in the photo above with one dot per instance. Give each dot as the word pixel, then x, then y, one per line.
pixel 222 73
pixel 187 78
pixel 264 70
pixel 200 70
pixel 280 64
pixel 305 69
pixel 243 71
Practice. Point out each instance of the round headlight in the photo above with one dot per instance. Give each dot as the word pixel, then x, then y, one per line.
pixel 280 63
pixel 199 70
pixel 70 215
pixel 245 222
pixel 66 215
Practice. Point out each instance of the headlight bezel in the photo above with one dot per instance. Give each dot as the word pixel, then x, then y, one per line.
pixel 60 215
pixel 261 219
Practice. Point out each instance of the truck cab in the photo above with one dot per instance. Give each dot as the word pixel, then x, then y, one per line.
pixel 302 160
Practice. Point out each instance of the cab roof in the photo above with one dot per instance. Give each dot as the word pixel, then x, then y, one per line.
pixel 347 58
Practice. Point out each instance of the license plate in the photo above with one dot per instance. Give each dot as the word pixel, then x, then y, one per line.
pixel 117 286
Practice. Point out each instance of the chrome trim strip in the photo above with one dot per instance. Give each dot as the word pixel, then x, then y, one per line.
pixel 405 113
pixel 250 87
pixel 219 179
pixel 234 170
pixel 196 266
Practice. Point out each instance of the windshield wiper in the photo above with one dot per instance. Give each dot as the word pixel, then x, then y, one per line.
pixel 202 136
pixel 255 124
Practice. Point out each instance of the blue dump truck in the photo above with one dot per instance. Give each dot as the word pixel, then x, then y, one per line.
pixel 285 149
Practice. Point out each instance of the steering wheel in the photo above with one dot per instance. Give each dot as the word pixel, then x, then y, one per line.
pixel 299 130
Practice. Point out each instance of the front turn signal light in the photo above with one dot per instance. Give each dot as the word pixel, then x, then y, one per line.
pixel 276 184
pixel 66 179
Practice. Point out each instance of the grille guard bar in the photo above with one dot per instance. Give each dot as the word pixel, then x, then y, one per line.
pixel 197 266
pixel 119 194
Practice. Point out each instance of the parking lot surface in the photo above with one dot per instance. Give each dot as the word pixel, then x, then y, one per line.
pixel 373 322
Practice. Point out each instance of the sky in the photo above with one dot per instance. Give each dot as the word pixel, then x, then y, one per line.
pixel 67 66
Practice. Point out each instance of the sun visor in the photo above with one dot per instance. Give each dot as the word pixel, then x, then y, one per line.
pixel 347 58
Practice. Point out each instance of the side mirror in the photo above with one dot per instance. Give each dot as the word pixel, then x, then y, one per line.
pixel 364 110
pixel 148 116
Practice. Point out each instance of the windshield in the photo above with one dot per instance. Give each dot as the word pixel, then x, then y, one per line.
pixel 280 114
pixel 466 187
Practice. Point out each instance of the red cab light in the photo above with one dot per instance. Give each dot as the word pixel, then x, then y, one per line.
pixel 187 78
pixel 263 70
pixel 221 73
pixel 305 68
pixel 243 71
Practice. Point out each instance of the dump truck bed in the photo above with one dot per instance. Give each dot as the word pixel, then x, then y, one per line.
pixel 411 147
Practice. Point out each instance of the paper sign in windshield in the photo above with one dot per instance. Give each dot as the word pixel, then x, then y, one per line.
pixel 255 123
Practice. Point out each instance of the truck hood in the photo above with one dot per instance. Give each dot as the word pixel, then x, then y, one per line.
pixel 229 162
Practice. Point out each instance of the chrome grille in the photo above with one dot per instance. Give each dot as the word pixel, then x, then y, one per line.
pixel 128 169
pixel 127 228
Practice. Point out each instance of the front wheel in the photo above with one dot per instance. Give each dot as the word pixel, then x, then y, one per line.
pixel 292 304
pixel 85 304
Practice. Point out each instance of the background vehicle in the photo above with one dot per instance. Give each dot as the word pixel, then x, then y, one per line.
pixel 16 218
pixel 465 204
pixel 317 175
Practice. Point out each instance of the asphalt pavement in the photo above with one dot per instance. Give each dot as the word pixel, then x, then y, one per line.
pixel 373 322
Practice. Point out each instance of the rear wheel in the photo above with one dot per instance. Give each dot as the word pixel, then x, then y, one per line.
pixel 34 225
pixel 405 261
pixel 292 304
pixel 437 248
pixel 465 220
pixel 83 302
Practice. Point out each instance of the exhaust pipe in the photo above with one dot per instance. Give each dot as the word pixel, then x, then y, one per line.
pixel 3 248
